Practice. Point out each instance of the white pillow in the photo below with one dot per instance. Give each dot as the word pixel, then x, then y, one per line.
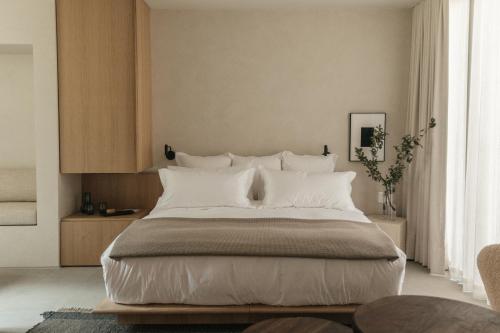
pixel 205 188
pixel 272 162
pixel 309 190
pixel 221 170
pixel 204 162
pixel 309 163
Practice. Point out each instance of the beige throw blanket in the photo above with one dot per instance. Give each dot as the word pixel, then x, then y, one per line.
pixel 270 237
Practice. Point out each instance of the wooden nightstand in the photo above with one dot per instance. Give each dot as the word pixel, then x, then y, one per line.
pixel 395 228
pixel 85 237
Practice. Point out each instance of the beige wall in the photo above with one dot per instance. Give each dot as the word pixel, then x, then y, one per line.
pixel 258 82
pixel 33 22
pixel 17 119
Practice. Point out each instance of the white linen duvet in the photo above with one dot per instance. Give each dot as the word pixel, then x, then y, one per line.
pixel 229 280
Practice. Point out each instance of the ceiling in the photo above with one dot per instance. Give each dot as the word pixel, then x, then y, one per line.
pixel 274 4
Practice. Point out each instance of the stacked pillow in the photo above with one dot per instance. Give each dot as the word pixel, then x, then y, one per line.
pixel 308 189
pixel 309 163
pixel 272 162
pixel 281 180
pixel 203 162
pixel 190 188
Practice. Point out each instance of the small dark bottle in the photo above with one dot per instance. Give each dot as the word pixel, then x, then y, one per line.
pixel 103 208
pixel 87 206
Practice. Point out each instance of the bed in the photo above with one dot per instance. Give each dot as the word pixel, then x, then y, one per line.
pixel 247 284
pixel 251 280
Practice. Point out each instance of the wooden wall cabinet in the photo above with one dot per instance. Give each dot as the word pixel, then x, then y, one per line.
pixel 104 74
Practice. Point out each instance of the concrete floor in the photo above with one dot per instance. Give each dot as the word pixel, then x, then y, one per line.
pixel 26 293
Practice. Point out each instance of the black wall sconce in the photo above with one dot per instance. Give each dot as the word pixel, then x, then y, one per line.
pixel 169 153
pixel 325 150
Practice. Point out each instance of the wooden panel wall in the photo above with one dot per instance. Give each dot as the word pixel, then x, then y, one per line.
pixel 143 85
pixel 140 190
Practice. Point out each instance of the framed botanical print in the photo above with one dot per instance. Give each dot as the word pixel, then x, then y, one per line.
pixel 361 129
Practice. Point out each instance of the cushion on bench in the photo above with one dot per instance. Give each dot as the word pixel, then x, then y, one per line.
pixel 17 185
pixel 17 213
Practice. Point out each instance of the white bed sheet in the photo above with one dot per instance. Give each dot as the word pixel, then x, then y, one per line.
pixel 234 280
pixel 259 211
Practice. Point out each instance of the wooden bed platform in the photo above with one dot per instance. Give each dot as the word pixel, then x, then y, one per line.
pixel 237 314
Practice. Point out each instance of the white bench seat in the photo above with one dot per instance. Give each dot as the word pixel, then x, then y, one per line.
pixel 17 197
pixel 17 213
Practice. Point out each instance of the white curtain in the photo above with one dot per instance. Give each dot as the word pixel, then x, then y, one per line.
pixel 473 187
pixel 426 179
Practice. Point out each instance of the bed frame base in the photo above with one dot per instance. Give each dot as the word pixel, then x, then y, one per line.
pixel 238 314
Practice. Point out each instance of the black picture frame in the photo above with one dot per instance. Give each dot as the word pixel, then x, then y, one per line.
pixel 351 152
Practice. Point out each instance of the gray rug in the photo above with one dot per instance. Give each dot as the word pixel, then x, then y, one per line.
pixel 81 322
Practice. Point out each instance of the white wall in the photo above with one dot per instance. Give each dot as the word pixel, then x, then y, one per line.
pixel 33 22
pixel 262 81
pixel 17 119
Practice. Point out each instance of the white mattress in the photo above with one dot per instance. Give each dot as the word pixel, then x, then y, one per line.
pixel 213 280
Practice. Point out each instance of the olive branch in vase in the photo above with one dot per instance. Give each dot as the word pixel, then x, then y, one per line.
pixel 404 156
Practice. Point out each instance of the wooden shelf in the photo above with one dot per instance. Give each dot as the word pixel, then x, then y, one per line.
pixel 80 217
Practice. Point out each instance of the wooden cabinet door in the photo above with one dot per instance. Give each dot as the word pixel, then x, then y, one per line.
pixel 82 243
pixel 98 89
